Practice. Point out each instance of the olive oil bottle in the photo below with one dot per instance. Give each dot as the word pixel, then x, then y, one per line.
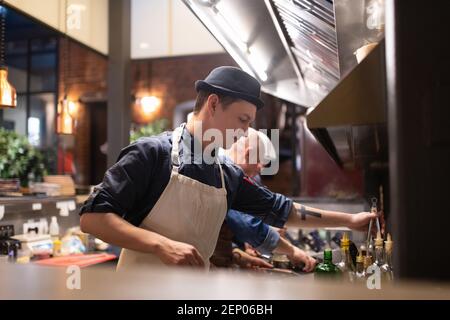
pixel 326 269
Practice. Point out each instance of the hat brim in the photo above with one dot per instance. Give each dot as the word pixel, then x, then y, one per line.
pixel 203 85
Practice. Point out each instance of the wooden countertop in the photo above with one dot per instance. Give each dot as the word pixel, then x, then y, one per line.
pixel 36 282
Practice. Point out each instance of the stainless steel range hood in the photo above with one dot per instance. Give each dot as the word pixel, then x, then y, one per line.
pixel 248 31
pixel 302 51
pixel 358 99
pixel 299 49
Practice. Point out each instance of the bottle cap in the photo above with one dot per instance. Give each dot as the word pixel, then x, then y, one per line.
pixel 389 243
pixel 345 241
pixel 360 258
pixel 379 240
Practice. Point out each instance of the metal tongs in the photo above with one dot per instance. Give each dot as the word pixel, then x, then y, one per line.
pixel 374 208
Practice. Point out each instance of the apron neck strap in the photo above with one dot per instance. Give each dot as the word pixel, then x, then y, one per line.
pixel 176 138
pixel 221 173
pixel 175 154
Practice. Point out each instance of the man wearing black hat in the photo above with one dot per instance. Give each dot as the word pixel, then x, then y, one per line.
pixel 164 204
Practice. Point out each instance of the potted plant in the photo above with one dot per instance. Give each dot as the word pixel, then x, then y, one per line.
pixel 151 129
pixel 18 161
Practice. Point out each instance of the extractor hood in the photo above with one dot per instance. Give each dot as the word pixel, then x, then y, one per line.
pixel 249 32
pixel 303 51
pixel 298 49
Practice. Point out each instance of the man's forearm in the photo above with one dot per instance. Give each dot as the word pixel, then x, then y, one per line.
pixel 307 217
pixel 112 229
pixel 284 247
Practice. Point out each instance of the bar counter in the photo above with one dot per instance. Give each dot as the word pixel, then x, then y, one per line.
pixel 102 282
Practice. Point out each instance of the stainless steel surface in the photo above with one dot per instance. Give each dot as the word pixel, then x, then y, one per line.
pixel 304 46
pixel 246 31
pixel 353 115
pixel 359 99
pixel 311 27
pixel 350 34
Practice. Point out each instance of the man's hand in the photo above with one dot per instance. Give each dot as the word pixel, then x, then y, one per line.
pixel 172 252
pixel 298 256
pixel 251 251
pixel 245 260
pixel 360 221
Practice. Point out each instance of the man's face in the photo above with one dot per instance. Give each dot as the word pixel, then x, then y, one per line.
pixel 236 116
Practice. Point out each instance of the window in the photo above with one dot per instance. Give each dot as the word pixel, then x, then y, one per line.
pixel 33 69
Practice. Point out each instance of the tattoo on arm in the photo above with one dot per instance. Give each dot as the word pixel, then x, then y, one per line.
pixel 304 212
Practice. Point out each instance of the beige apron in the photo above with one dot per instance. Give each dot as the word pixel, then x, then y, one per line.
pixel 187 211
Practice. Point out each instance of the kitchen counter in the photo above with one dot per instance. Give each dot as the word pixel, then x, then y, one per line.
pixel 36 282
pixel 18 210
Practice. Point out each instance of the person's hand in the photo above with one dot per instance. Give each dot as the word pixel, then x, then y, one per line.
pixel 172 252
pixel 251 251
pixel 299 256
pixel 245 260
pixel 360 221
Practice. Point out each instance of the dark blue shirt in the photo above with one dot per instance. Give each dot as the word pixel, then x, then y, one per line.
pixel 252 230
pixel 133 185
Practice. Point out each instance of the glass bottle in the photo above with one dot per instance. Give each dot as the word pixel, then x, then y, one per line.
pixel 326 269
pixel 360 273
pixel 387 271
pixel 346 264
pixel 378 250
pixel 367 263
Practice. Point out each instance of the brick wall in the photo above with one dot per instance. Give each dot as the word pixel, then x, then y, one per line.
pixel 171 80
pixel 84 73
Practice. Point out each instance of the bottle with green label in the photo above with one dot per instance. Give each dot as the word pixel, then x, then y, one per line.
pixel 326 269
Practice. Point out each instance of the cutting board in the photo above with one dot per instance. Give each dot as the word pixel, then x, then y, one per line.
pixel 81 260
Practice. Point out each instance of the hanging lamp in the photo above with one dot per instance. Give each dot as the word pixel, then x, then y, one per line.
pixel 8 95
pixel 65 122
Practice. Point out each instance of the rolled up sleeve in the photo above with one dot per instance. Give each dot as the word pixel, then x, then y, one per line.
pixel 257 200
pixel 270 243
pixel 252 230
pixel 124 183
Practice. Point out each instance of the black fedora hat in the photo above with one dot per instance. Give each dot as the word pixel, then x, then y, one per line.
pixel 232 81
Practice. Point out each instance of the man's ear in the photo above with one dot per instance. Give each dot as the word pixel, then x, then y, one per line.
pixel 212 103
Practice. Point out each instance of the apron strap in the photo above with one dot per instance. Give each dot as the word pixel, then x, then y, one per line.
pixel 176 138
pixel 221 173
pixel 175 156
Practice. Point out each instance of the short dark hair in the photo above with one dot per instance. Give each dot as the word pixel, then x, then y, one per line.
pixel 203 95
